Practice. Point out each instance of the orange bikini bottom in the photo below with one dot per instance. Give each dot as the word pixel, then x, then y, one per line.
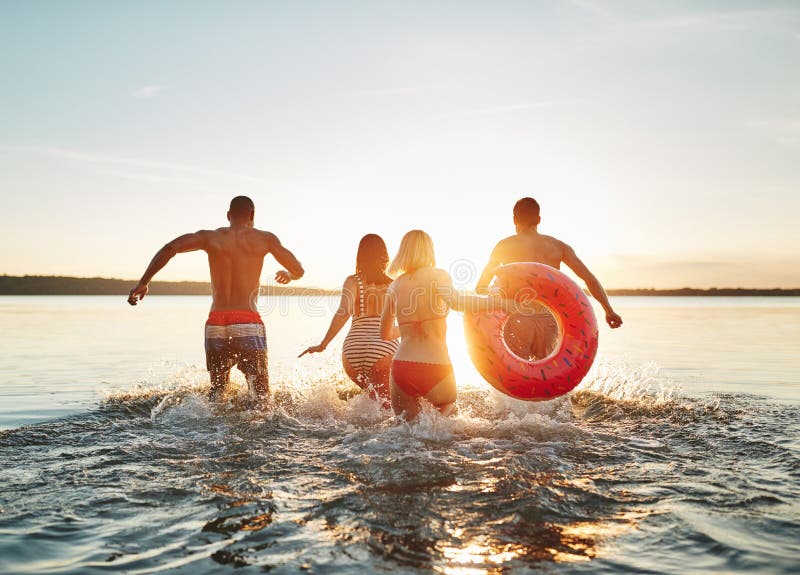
pixel 418 379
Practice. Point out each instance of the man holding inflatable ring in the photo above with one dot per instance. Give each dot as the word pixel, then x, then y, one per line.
pixel 534 336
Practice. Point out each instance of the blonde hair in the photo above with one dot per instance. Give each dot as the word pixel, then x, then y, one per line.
pixel 416 251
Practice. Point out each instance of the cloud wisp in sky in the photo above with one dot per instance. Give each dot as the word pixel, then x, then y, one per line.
pixel 731 16
pixel 785 131
pixel 146 92
pixel 509 108
pixel 93 158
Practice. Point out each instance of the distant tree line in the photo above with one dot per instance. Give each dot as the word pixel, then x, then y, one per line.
pixel 65 285
pixel 686 291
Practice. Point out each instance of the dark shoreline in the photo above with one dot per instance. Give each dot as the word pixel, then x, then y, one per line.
pixel 710 292
pixel 66 285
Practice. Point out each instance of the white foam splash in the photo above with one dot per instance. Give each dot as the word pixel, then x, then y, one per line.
pixel 181 407
pixel 325 397
pixel 619 380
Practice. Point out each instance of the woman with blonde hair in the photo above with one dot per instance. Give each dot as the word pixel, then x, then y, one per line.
pixel 366 357
pixel 419 299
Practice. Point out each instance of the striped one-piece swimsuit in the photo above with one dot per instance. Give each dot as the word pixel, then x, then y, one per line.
pixel 363 345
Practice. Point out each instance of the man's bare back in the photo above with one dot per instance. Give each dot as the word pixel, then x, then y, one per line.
pixel 531 247
pixel 235 258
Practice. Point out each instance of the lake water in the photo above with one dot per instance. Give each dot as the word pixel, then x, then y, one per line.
pixel 680 452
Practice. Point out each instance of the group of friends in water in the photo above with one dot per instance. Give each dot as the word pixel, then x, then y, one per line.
pixel 396 347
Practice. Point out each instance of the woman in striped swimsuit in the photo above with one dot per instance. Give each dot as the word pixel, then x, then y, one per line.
pixel 365 356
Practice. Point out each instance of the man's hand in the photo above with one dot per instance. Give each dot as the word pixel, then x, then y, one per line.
pixel 137 293
pixel 283 277
pixel 613 319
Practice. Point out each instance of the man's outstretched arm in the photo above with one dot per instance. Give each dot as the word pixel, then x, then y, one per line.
pixel 184 243
pixel 293 271
pixel 495 261
pixel 613 319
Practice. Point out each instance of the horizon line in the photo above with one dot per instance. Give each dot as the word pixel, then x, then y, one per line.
pixel 338 288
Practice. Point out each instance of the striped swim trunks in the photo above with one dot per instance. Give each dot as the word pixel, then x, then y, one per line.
pixel 237 337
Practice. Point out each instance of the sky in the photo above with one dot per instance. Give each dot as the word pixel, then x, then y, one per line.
pixel 662 139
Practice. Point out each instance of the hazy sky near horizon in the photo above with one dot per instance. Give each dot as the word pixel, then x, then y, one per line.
pixel 662 139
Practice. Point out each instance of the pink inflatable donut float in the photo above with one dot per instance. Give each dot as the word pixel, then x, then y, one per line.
pixel 567 364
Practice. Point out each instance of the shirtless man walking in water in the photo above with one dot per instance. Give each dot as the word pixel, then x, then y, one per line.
pixel 234 331
pixel 534 334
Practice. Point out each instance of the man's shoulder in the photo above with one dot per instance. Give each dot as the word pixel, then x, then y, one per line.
pixel 206 234
pixel 216 232
pixel 252 237
pixel 508 240
pixel 555 247
pixel 263 238
pixel 267 235
pixel 506 243
pixel 553 240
